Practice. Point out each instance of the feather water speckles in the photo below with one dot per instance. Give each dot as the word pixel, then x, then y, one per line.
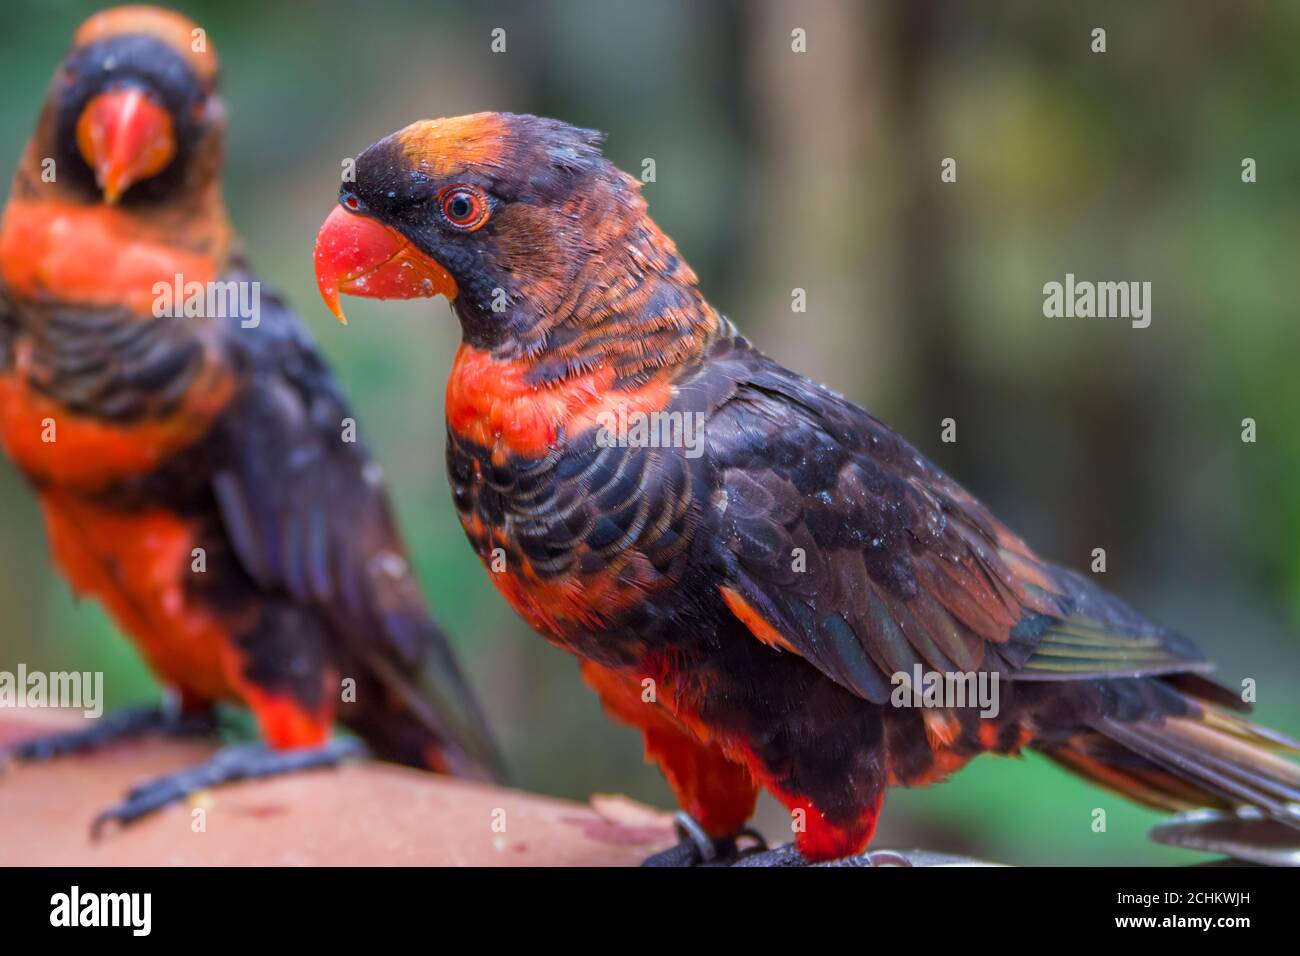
pixel 766 587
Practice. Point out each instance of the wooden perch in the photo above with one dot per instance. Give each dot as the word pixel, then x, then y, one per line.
pixel 360 814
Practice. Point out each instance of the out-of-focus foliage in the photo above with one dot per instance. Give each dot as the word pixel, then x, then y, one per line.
pixel 820 170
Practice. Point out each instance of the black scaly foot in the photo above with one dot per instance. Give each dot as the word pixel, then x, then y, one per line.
pixel 250 761
pixel 112 728
pixel 787 855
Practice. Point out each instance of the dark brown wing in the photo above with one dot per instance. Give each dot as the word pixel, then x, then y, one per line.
pixel 307 513
pixel 840 542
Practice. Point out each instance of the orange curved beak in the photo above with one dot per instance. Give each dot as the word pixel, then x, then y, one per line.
pixel 355 255
pixel 124 136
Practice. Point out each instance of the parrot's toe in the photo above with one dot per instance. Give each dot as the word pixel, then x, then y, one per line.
pixel 250 761
pixel 116 727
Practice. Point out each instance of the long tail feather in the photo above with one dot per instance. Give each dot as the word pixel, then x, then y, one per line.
pixel 1235 778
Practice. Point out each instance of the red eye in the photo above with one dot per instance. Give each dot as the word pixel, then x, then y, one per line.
pixel 352 203
pixel 465 207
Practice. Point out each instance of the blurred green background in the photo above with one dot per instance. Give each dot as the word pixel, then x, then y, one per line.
pixel 820 171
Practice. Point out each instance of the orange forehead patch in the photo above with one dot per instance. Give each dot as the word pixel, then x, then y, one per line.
pixel 181 34
pixel 442 146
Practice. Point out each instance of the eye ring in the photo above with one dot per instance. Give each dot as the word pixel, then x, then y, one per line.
pixel 352 203
pixel 464 207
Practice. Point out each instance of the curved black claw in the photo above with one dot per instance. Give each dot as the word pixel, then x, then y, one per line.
pixel 787 855
pixel 237 762
pixel 111 728
pixel 696 848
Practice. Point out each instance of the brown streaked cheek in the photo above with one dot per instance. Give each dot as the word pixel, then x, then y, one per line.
pixel 529 248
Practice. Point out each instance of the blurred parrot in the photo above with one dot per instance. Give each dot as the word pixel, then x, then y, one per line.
pixel 198 474
pixel 757 573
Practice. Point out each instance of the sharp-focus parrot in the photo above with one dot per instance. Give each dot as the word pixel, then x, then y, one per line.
pixel 757 573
